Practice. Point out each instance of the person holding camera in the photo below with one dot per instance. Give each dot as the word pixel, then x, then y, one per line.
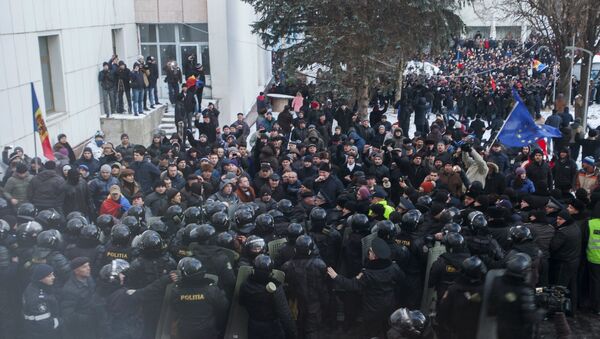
pixel 173 78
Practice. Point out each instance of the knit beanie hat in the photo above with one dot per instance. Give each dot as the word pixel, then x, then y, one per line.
pixel 40 271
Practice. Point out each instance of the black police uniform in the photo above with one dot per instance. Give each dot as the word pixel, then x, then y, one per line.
pixel 201 309
pixel 328 240
pixel 413 267
pixel 306 278
pixel 269 312
pixel 41 312
pixel 113 251
pixel 216 262
pixel 444 271
pixel 512 301
pixel 458 311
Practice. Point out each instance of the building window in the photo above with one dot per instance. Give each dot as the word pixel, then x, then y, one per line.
pixel 46 74
pixel 193 32
pixel 166 33
pixel 147 33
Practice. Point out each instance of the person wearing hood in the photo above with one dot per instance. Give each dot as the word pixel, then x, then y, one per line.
pixel 96 144
pixel 87 159
pixel 63 143
pixel 40 305
pixel 45 189
pixel 77 195
pixel 100 186
pixel 565 253
pixel 109 156
pixel 226 194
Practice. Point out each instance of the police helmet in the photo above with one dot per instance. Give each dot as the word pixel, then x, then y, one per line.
pixel 263 262
pixel 254 246
pixel 453 242
pixel 409 323
pixel 425 200
pixel 304 245
pixel 411 219
pixel 174 213
pixel 451 227
pixel 27 233
pixel 151 244
pixel 226 240
pixel 243 216
pixel 276 214
pixel 202 234
pixel 26 212
pixel 51 239
pixel 477 220
pixel 75 214
pixel 50 218
pixel 294 230
pixel 386 230
pixel 192 215
pixel 137 212
pixel 265 223
pixel 519 234
pixel 186 237
pixel 109 273
pixel 4 229
pixel 359 222
pixel 134 225
pixel 285 206
pixel 447 215
pixel 74 227
pixel 215 207
pixel 160 227
pixel 473 268
pixel 220 221
pixel 89 234
pixel 518 265
pixel 318 214
pixel 120 235
pixel 457 217
pixel 105 222
pixel 191 268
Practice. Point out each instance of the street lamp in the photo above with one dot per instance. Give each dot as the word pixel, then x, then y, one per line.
pixel 587 85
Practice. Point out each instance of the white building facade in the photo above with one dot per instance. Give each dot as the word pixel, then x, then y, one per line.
pixel 488 18
pixel 60 46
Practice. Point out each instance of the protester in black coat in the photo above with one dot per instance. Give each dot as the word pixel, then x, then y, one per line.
pixel 45 189
pixel 78 311
pixel 564 171
pixel 77 195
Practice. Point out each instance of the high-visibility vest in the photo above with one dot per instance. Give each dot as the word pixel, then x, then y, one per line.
pixel 593 247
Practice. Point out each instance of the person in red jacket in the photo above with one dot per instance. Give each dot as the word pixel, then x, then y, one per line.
pixel 115 204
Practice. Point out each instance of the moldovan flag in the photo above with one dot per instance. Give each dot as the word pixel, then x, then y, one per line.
pixel 40 126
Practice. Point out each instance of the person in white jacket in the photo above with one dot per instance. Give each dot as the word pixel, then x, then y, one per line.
pixel 96 144
pixel 476 167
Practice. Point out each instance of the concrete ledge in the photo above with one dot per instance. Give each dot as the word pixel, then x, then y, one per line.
pixel 138 128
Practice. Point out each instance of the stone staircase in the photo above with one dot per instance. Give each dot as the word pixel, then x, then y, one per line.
pixel 167 122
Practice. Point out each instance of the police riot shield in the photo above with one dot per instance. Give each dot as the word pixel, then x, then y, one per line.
pixel 164 329
pixel 231 254
pixel 487 328
pixel 275 245
pixel 366 244
pixel 237 322
pixel 429 295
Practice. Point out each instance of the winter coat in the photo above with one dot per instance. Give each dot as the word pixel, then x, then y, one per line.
pixel 92 164
pixel 100 188
pixel 330 188
pixel 588 181
pixel 564 173
pixel 420 111
pixel 78 198
pixel 16 188
pixel 495 183
pixel 157 202
pixel 501 160
pixel 146 174
pixel 452 182
pixel 45 190
pixel 78 309
pixel 566 243
pixel 477 169
pixel 136 80
pixel 540 174
pixel 527 187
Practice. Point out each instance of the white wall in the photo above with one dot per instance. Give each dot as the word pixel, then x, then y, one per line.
pixel 239 67
pixel 84 30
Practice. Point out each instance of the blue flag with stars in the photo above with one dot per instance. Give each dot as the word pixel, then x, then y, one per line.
pixel 520 129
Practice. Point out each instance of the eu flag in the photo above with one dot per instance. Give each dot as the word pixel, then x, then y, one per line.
pixel 520 129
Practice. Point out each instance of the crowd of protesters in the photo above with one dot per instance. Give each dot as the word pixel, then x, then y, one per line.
pixel 88 244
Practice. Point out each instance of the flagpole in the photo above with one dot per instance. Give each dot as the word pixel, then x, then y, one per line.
pixel 501 128
pixel 34 141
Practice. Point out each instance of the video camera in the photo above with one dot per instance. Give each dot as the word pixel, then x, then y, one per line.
pixel 554 299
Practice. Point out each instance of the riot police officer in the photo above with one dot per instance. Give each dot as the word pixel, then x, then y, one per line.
pixel 413 267
pixel 40 305
pixel 220 221
pixel 215 259
pixel 153 263
pixel 265 227
pixel 286 252
pixel 460 306
pixel 253 246
pixel 445 269
pixel 479 240
pixel 47 250
pixel 49 219
pixel 407 324
pixel 118 245
pixel 305 275
pixel 173 218
pixel 327 239
pixel 200 305
pixel 87 245
pixel 521 240
pixel 105 223
pixel 387 231
pixel 266 303
pixel 512 300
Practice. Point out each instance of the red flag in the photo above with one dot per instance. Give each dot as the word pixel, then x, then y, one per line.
pixel 542 143
pixel 493 83
pixel 40 126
